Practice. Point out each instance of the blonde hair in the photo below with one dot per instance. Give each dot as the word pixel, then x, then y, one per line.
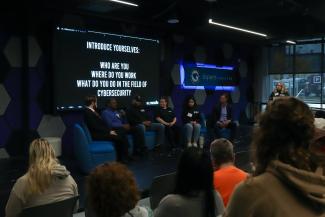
pixel 283 87
pixel 41 162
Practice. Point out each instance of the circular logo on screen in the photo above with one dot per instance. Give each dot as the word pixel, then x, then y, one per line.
pixel 195 76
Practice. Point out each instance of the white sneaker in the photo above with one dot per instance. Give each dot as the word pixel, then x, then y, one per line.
pixel 195 145
pixel 189 144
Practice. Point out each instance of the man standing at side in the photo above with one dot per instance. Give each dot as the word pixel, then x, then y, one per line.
pixel 138 118
pixel 226 175
pixel 99 130
pixel 116 120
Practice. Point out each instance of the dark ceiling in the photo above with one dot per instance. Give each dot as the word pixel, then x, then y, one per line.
pixel 279 19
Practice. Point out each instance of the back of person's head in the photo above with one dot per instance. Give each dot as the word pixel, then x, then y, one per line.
pixel 195 175
pixel 42 160
pixel 284 132
pixel 222 152
pixel 112 190
pixel 90 99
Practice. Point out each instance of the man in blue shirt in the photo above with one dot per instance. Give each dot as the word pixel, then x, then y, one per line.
pixel 116 119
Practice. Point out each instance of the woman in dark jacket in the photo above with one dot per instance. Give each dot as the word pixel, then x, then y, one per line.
pixel 191 120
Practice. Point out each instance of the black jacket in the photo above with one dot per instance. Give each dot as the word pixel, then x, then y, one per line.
pixel 275 94
pixel 216 112
pixel 136 115
pixel 97 127
pixel 191 114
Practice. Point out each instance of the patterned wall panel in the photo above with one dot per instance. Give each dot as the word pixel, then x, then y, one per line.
pixel 13 51
pixel 34 51
pixel 51 126
pixel 4 98
pixel 175 74
pixel 200 96
pixel 235 95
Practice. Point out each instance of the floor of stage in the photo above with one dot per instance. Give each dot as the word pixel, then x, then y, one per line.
pixel 144 169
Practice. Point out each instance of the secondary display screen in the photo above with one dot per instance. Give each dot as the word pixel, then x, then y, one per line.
pixel 207 76
pixel 103 64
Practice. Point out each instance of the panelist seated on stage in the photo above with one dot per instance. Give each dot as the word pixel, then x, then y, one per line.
pixel 138 118
pixel 100 131
pixel 191 120
pixel 279 91
pixel 166 116
pixel 116 119
pixel 221 117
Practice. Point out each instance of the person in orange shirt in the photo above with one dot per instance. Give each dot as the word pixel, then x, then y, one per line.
pixel 226 175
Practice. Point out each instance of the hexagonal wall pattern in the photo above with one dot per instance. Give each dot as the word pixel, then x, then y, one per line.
pixel 200 96
pixel 200 54
pixel 5 68
pixel 34 51
pixel 175 74
pixel 235 95
pixel 12 51
pixel 243 69
pixel 4 98
pixel 51 126
pixel 227 50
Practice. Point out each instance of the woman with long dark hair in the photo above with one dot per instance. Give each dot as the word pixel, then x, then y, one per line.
pixel 191 120
pixel 284 182
pixel 194 195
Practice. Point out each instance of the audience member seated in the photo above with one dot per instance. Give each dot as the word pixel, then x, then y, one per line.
pixel 112 192
pixel 46 181
pixel 284 182
pixel 194 195
pixel 166 116
pixel 99 130
pixel 226 175
pixel 116 120
pixel 221 118
pixel 191 120
pixel 138 118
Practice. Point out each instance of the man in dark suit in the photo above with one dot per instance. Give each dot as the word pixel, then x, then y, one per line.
pixel 221 117
pixel 99 130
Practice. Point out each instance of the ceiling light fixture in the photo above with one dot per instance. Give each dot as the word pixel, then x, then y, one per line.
pixel 124 2
pixel 236 28
pixel 290 42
